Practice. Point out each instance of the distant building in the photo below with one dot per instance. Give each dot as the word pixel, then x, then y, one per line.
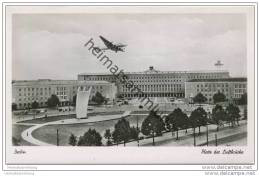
pixel 154 83
pixel 232 88
pixel 26 92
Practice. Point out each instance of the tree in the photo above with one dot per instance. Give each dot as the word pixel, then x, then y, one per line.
pixel 90 138
pixel 198 118
pixel 219 97
pixel 73 140
pixel 203 118
pixel 218 115
pixel 98 98
pixel 186 122
pixel 199 98
pixel 120 96
pixel 35 105
pixel 245 113
pixel 122 131
pixel 53 101
pixel 14 106
pixel 152 125
pixel 108 136
pixel 169 123
pixel 115 136
pixel 233 114
pixel 243 99
pixel 175 120
pixel 134 133
pixel 16 142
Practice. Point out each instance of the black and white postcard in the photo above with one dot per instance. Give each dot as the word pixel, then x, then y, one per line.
pixel 129 84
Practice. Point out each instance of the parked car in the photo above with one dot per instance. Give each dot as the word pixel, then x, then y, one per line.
pixel 43 110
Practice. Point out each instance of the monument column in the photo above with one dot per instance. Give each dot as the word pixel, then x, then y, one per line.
pixel 82 102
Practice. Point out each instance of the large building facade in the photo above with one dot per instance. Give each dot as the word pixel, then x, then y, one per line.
pixel 232 88
pixel 154 83
pixel 26 92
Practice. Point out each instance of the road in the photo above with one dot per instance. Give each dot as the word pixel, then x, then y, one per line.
pixel 225 134
pixel 27 134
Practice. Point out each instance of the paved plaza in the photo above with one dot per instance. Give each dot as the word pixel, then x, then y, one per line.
pixel 27 134
pixel 101 114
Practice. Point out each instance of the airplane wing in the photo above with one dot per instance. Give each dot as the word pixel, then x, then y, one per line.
pixel 104 48
pixel 106 42
pixel 121 45
pixel 98 48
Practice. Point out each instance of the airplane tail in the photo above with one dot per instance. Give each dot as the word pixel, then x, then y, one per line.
pixel 122 49
pixel 102 38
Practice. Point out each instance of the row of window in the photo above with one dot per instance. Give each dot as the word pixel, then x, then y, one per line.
pixel 154 95
pixel 213 85
pixel 213 89
pixel 32 98
pixel 99 78
pixel 156 80
pixel 32 94
pixel 237 95
pixel 33 89
pixel 156 90
pixel 207 76
pixel 61 88
pixel 166 76
pixel 240 91
pixel 63 97
pixel 220 85
pixel 29 104
pixel 60 91
pixel 240 85
pixel 87 87
pixel 156 86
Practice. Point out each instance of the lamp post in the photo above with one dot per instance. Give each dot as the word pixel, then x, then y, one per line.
pixel 207 135
pixel 57 137
pixel 152 134
pixel 137 128
pixel 216 140
pixel 69 107
pixel 208 129
pixel 194 137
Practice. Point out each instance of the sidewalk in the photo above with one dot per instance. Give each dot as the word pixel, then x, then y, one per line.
pixel 17 118
pixel 52 112
pixel 187 139
pixel 27 134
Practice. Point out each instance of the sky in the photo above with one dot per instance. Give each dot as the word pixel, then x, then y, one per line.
pixel 51 46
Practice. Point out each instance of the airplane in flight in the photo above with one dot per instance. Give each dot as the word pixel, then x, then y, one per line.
pixel 111 46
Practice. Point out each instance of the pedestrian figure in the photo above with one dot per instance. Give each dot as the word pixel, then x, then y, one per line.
pixel 27 133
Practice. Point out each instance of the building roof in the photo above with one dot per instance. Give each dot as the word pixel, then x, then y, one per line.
pixel 236 79
pixel 54 82
pixel 151 70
